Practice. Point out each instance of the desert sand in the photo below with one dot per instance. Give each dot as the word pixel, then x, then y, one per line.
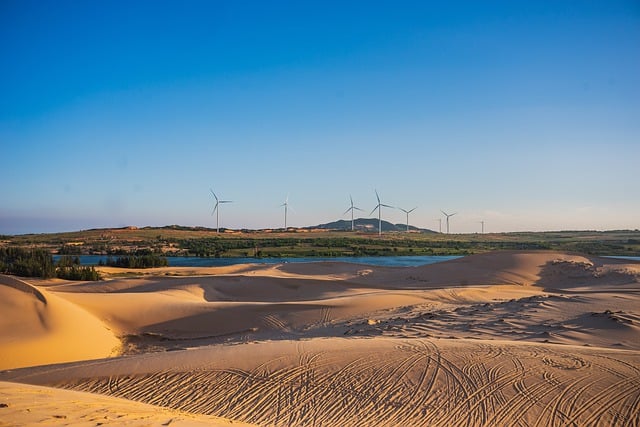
pixel 507 338
pixel 46 406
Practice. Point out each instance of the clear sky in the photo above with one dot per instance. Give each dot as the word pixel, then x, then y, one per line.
pixel 523 114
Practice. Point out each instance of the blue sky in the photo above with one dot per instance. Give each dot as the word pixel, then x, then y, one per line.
pixel 523 114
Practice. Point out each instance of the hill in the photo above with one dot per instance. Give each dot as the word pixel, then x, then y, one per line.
pixel 368 224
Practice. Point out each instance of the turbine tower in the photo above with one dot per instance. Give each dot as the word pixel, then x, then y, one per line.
pixel 286 207
pixel 408 212
pixel 482 222
pixel 439 224
pixel 448 216
pixel 352 208
pixel 379 207
pixel 216 209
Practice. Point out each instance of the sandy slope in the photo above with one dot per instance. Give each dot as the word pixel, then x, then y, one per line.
pixel 39 327
pixel 512 338
pixel 46 406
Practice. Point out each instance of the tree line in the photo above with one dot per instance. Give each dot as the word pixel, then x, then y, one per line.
pixel 136 261
pixel 39 263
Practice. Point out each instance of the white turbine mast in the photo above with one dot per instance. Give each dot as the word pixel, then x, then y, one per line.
pixel 448 216
pixel 439 224
pixel 352 208
pixel 408 212
pixel 482 228
pixel 379 207
pixel 286 208
pixel 216 209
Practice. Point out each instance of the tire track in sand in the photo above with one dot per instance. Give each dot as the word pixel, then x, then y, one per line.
pixel 415 382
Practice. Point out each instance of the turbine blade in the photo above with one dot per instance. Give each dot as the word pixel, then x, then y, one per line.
pixel 377 196
pixel 214 194
pixel 347 210
pixel 413 209
pixel 358 209
pixel 445 214
pixel 374 209
pixel 387 206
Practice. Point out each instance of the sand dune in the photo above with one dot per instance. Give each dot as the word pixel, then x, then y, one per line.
pixel 483 296
pixel 39 327
pixel 512 338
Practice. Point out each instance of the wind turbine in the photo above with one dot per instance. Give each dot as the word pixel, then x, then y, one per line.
pixel 448 216
pixel 351 208
pixel 216 209
pixel 408 212
pixel 439 224
pixel 482 222
pixel 379 208
pixel 286 207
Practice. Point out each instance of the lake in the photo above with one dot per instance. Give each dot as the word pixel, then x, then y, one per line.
pixel 387 261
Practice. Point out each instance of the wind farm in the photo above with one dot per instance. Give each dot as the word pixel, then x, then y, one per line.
pixel 360 224
pixel 350 210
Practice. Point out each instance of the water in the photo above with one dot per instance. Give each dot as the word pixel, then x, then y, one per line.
pixel 628 258
pixel 386 261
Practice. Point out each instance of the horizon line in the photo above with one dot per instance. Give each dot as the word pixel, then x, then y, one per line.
pixel 316 227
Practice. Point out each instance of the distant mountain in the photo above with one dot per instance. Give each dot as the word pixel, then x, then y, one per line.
pixel 369 224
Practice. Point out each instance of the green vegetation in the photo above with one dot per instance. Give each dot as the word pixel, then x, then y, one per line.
pixel 137 261
pixel 185 241
pixel 360 244
pixel 27 262
pixel 39 263
pixel 69 268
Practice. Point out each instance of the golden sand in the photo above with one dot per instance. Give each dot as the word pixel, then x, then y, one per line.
pixel 511 338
